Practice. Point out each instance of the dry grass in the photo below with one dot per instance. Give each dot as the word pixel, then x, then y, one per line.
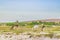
pixel 28 29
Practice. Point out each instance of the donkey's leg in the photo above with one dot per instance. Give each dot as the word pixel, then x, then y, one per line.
pixel 12 27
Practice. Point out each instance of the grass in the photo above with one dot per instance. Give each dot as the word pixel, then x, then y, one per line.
pixel 28 29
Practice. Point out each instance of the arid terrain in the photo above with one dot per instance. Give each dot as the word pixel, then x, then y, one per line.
pixel 30 30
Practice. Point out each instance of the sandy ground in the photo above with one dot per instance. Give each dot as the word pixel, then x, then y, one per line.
pixel 24 37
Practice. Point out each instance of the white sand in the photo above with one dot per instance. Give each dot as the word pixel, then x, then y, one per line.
pixel 24 37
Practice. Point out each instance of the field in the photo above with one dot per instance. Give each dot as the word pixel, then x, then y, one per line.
pixel 27 31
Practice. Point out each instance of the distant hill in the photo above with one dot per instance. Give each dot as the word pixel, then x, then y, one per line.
pixel 46 20
pixel 34 22
pixel 51 20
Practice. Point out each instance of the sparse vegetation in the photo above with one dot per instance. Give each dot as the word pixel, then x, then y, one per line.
pixel 27 27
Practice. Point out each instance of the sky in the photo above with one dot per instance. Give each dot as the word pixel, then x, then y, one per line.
pixel 26 10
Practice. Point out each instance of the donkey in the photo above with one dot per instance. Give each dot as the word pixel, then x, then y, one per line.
pixel 43 26
pixel 15 25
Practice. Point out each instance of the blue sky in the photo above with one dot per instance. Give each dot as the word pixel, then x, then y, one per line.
pixel 24 10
